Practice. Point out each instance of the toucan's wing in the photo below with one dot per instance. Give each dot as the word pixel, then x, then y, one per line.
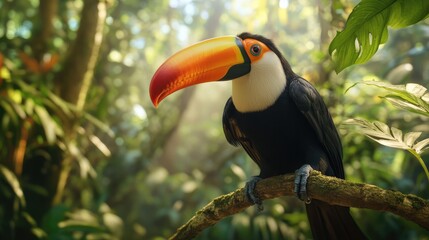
pixel 230 128
pixel 311 104
pixel 233 133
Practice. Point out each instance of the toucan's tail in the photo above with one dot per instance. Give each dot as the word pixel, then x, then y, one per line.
pixel 332 222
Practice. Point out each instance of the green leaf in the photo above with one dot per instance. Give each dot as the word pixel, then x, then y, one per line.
pixel 411 97
pixel 49 125
pixel 381 133
pixel 39 233
pixel 86 169
pixel 100 145
pixel 407 12
pixel 382 127
pixel 82 220
pixel 397 134
pixel 9 112
pixel 12 180
pixel 65 107
pixel 391 143
pixel 79 226
pixel 393 137
pixel 51 219
pixel 411 137
pixel 17 109
pixel 406 105
pixel 366 28
pixel 422 146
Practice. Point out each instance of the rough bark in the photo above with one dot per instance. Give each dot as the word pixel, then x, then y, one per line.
pixel 48 11
pixel 73 81
pixel 329 189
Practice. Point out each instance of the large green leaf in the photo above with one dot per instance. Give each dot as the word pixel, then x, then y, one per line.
pixel 366 28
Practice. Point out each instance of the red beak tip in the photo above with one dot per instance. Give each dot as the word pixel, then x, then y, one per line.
pixel 155 102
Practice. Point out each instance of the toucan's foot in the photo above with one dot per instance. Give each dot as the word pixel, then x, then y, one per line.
pixel 250 192
pixel 301 177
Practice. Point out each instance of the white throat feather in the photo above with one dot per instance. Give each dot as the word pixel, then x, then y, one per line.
pixel 261 87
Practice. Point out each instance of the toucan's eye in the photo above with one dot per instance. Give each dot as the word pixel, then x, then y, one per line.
pixel 255 49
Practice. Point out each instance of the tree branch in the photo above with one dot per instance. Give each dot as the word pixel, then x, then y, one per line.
pixel 328 189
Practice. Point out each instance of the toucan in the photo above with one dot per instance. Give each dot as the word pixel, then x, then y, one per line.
pixel 277 116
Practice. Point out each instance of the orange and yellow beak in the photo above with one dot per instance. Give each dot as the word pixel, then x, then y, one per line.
pixel 216 59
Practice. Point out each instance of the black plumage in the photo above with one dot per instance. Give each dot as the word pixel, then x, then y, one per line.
pixel 296 130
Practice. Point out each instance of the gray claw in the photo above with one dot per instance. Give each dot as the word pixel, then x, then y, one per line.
pixel 301 176
pixel 250 192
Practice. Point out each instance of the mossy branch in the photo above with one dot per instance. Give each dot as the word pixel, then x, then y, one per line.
pixel 328 189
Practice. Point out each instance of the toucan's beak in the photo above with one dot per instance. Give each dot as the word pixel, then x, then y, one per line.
pixel 222 58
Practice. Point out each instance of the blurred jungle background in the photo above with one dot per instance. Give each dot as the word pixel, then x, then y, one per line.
pixel 84 154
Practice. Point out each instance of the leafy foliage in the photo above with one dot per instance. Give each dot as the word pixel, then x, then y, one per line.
pixel 148 170
pixel 411 97
pixel 62 222
pixel 366 28
pixel 393 137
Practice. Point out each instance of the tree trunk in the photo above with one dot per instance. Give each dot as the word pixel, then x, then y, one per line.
pixel 73 81
pixel 47 11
